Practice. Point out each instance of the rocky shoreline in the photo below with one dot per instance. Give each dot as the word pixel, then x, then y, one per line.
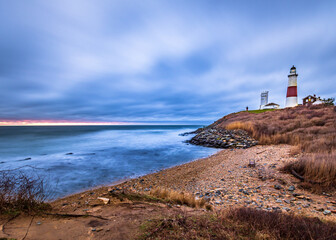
pixel 222 138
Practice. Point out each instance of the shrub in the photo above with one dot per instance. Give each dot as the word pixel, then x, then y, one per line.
pixel 20 192
pixel 283 226
pixel 241 223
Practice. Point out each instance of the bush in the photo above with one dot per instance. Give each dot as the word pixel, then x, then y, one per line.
pixel 21 192
pixel 241 223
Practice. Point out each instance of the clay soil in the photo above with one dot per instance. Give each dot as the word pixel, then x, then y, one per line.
pixel 224 179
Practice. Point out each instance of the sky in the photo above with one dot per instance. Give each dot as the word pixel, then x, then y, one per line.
pixel 159 61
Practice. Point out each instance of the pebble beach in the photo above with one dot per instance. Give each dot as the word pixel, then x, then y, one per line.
pixel 227 179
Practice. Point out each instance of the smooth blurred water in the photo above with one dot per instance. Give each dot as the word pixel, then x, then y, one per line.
pixel 100 154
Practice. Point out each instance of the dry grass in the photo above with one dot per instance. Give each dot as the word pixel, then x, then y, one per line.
pixel 164 196
pixel 243 223
pixel 178 197
pixel 20 192
pixel 317 171
pixel 247 126
pixel 313 129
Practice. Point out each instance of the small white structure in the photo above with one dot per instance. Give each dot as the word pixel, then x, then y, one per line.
pixel 263 99
pixel 271 106
pixel 318 101
pixel 264 102
pixel 291 98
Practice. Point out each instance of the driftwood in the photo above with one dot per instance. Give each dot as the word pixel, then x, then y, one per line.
pixel 297 175
pixel 261 152
pixel 74 215
pixel 31 221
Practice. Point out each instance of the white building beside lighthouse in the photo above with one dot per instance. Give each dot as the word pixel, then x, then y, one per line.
pixel 291 98
pixel 263 99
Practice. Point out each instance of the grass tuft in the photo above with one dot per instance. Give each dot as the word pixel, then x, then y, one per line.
pixel 178 197
pixel 317 171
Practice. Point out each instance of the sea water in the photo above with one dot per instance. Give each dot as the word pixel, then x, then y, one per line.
pixel 75 158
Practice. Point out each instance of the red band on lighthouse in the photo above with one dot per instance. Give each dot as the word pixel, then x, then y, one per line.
pixel 292 91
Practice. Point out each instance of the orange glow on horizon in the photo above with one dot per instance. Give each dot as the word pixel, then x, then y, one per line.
pixel 56 123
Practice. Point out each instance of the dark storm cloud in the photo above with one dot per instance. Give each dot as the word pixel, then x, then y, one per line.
pixel 159 60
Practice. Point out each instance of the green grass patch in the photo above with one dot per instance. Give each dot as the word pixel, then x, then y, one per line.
pixel 261 110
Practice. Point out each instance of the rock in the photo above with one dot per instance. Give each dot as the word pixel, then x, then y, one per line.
pixel 207 198
pixel 286 209
pixel 291 188
pixel 222 138
pixel 105 200
pixel 70 153
pixel 326 212
pixel 252 163
pixel 278 187
pixel 279 201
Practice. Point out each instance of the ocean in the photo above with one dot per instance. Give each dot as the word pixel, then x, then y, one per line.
pixel 76 158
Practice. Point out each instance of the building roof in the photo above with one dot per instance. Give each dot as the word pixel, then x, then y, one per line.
pixel 311 96
pixel 271 104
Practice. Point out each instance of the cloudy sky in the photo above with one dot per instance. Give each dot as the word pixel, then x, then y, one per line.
pixel 144 61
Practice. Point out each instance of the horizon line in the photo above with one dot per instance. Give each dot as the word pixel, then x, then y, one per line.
pixel 17 123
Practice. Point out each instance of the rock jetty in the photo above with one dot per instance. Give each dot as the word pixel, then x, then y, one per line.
pixel 222 138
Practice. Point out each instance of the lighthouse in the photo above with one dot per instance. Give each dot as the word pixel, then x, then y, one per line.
pixel 291 98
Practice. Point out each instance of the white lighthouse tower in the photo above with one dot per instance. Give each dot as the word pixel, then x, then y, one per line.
pixel 263 99
pixel 291 99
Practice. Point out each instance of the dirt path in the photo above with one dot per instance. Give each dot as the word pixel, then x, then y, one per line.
pixel 225 179
pixel 111 221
